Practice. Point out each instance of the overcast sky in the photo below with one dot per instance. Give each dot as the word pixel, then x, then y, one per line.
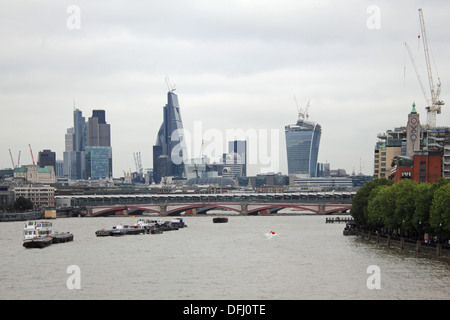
pixel 237 65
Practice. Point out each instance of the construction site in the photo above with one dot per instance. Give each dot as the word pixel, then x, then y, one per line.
pixel 417 151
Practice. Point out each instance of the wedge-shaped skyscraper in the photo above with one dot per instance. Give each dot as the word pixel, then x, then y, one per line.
pixel 169 151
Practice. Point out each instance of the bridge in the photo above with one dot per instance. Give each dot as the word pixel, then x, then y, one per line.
pixel 176 204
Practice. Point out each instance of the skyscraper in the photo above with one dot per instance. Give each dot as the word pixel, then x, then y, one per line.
pixel 75 141
pixel 98 152
pixel 169 151
pixel 237 156
pixel 88 151
pixel 302 144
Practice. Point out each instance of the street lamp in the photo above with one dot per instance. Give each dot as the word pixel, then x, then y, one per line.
pixel 420 230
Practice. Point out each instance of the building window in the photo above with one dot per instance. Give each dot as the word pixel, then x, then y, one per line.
pixel 423 171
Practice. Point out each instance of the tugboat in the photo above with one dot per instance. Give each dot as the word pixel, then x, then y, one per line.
pixel 39 234
pixel 36 234
pixel 220 220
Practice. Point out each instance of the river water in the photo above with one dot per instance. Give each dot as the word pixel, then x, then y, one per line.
pixel 308 259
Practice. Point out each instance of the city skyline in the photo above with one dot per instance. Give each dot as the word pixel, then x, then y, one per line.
pixel 235 67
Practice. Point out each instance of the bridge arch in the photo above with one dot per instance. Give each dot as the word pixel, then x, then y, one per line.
pixel 107 211
pixel 210 206
pixel 273 208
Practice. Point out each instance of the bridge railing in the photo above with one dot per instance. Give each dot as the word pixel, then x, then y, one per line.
pixel 99 200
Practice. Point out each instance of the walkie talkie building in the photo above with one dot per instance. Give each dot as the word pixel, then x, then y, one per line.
pixel 302 144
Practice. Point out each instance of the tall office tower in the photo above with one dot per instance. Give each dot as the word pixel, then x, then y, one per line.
pixel 75 141
pixel 79 124
pixel 238 149
pixel 302 144
pixel 98 152
pixel 88 151
pixel 169 151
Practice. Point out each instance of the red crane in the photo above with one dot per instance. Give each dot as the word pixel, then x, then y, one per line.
pixel 32 158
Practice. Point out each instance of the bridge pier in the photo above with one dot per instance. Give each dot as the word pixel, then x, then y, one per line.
pixel 163 209
pixel 321 207
pixel 244 209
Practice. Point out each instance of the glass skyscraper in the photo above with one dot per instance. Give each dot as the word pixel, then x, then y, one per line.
pixel 169 151
pixel 302 145
pixel 98 162
pixel 88 151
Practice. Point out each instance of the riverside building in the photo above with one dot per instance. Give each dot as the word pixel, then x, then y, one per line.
pixel 415 151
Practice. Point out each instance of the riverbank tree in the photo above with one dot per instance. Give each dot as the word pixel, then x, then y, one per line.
pixel 360 201
pixel 407 207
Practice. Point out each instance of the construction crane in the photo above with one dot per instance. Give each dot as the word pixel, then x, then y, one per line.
pixel 413 61
pixel 169 85
pixel 195 162
pixel 12 160
pixel 32 158
pixel 434 105
pixel 302 113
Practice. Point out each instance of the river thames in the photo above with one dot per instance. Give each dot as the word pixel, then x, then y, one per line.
pixel 307 259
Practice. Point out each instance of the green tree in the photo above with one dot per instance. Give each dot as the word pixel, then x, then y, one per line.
pixel 405 193
pixel 22 203
pixel 361 199
pixel 440 212
pixel 386 199
pixel 422 202
pixel 376 206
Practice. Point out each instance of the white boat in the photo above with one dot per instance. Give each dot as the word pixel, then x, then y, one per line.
pixel 271 234
pixel 147 223
pixel 120 230
pixel 37 234
pixel 40 234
